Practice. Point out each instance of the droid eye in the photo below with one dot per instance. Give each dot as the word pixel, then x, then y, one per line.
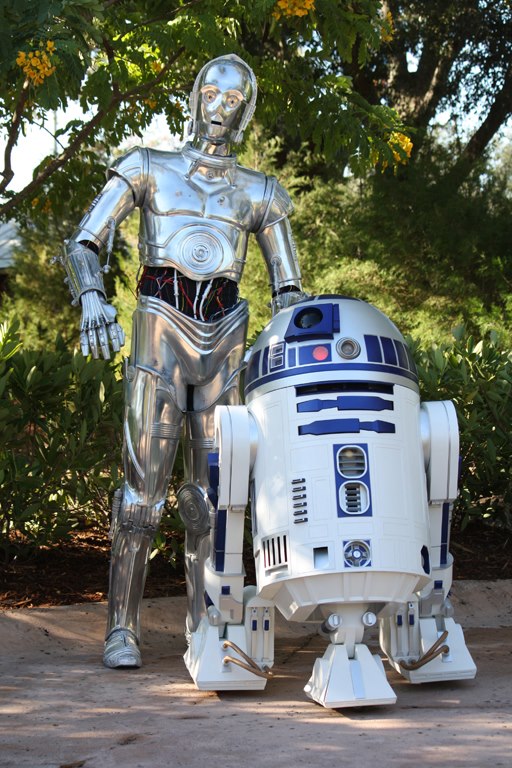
pixel 232 101
pixel 348 348
pixel 308 318
pixel 209 96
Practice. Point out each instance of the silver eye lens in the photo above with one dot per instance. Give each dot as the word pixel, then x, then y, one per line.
pixel 348 348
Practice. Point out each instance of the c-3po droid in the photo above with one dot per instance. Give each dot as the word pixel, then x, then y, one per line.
pixel 351 482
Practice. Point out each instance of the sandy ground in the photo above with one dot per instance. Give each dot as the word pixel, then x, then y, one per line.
pixel 60 708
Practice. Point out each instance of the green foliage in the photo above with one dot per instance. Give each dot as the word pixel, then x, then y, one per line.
pixel 477 376
pixel 125 67
pixel 428 256
pixel 61 426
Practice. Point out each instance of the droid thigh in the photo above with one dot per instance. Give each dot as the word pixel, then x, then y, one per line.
pixel 151 434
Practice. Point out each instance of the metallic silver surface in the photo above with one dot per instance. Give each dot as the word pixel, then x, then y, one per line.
pixel 197 212
pixel 99 329
pixel 193 507
pixel 176 362
pixel 198 207
pixel 121 650
pixel 82 268
pixel 223 99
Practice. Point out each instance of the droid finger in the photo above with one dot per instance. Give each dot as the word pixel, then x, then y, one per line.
pixel 103 341
pixel 113 332
pixel 84 343
pixel 93 342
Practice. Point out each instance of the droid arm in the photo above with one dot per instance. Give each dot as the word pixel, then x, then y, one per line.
pixel 80 258
pixel 278 248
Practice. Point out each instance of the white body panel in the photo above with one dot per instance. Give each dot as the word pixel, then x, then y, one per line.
pixel 351 482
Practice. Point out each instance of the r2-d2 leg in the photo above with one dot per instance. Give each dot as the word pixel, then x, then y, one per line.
pixel 233 647
pixel 421 638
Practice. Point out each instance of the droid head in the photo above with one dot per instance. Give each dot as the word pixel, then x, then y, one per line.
pixel 330 343
pixel 223 100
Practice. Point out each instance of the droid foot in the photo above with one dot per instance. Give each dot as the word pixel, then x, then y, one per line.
pixel 122 650
pixel 440 654
pixel 339 681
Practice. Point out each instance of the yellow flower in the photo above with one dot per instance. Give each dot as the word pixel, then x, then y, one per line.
pixel 387 31
pixel 403 143
pixel 37 64
pixel 291 8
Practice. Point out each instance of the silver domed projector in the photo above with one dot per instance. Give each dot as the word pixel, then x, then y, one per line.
pixel 350 481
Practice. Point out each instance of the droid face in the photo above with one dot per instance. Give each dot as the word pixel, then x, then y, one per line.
pixel 223 99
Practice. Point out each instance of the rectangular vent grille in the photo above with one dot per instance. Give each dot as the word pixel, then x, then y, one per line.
pixel 353 498
pixel 352 461
pixel 275 552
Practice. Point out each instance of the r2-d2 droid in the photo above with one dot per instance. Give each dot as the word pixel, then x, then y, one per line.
pixel 351 481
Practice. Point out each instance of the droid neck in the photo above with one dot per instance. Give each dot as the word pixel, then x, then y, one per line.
pixel 210 166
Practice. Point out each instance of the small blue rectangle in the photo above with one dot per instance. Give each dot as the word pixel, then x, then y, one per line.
pixel 401 353
pixel 266 625
pixel 399 620
pixel 445 533
pixel 264 365
pixel 225 590
pixel 389 351
pixel 336 318
pixel 438 584
pixel 253 369
pixel 219 557
pixel 373 349
pixel 220 540
pixel 292 358
pixel 254 625
pixel 411 619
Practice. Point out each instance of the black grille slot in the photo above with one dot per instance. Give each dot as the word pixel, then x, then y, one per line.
pixel 344 386
pixel 275 552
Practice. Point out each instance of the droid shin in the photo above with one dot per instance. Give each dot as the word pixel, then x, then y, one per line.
pixel 350 480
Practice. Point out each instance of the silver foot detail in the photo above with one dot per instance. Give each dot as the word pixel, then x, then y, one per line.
pixel 122 650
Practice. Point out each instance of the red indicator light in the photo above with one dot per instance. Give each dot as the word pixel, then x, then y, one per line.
pixel 321 353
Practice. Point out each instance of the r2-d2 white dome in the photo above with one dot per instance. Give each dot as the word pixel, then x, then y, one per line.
pixel 351 483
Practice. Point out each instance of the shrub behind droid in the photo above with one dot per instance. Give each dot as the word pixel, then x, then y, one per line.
pixel 351 481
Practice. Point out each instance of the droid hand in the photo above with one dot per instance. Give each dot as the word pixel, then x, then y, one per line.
pixel 99 329
pixel 286 299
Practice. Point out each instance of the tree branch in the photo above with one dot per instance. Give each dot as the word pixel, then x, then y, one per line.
pixel 12 137
pixel 74 146
pixel 500 110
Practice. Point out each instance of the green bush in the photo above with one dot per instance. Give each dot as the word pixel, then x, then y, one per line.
pixel 61 427
pixel 477 376
pixel 61 436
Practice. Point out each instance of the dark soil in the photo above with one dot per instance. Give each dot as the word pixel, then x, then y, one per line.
pixel 76 571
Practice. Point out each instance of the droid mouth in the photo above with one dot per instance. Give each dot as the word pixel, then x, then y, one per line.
pixel 216 122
